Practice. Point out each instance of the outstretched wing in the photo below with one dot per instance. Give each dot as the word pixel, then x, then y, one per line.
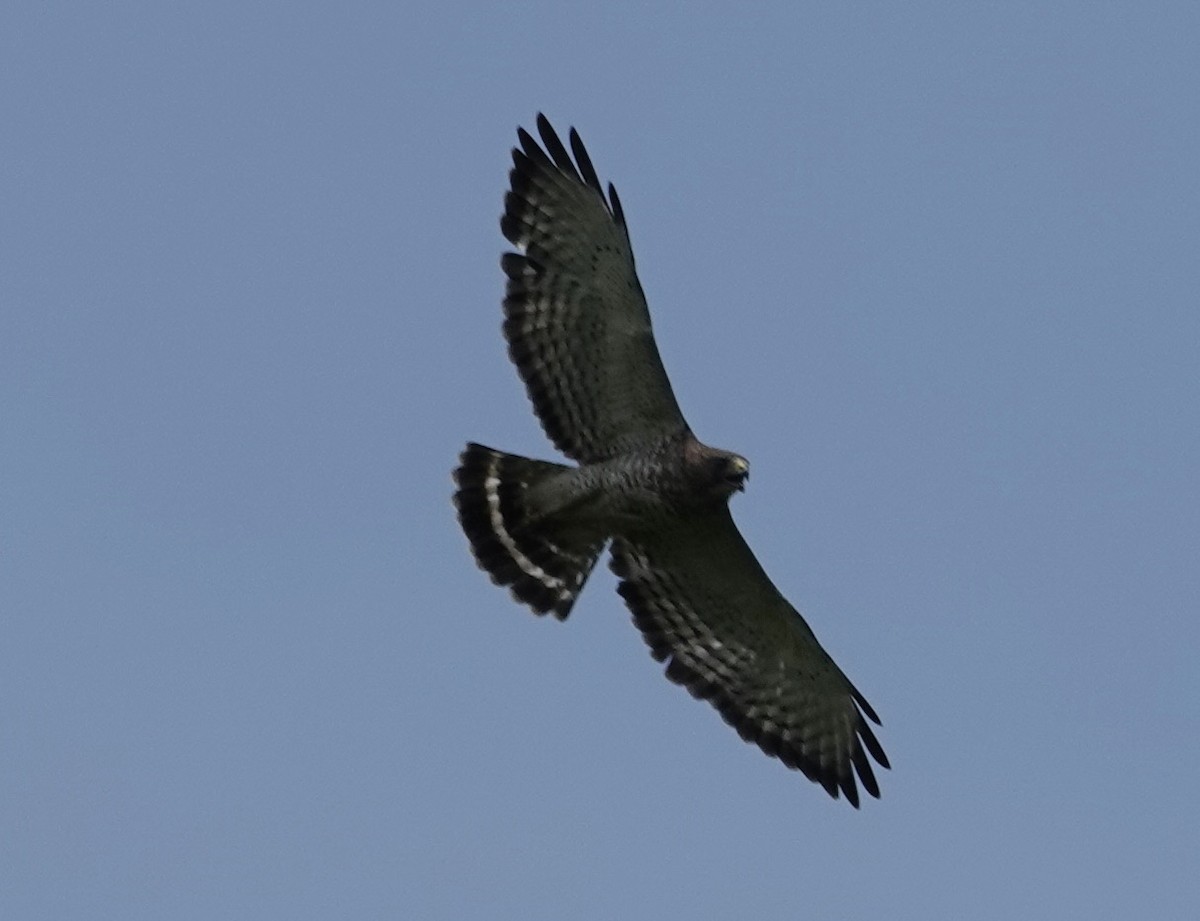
pixel 707 608
pixel 576 320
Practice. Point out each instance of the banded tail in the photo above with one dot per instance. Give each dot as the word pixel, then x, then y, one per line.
pixel 532 554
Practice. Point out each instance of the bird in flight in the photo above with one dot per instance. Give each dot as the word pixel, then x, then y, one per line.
pixel 578 331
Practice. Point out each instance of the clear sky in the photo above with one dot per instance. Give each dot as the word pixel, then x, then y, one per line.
pixel 933 267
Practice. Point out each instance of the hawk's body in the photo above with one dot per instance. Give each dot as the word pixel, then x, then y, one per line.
pixel 579 333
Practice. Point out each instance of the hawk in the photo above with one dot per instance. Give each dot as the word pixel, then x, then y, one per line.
pixel 578 331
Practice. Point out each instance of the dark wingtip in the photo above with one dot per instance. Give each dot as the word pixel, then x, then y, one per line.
pixel 615 204
pixel 530 148
pixel 862 767
pixel 554 147
pixel 866 708
pixel 586 168
pixel 873 746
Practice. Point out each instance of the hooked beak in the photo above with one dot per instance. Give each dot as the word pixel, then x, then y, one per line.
pixel 738 475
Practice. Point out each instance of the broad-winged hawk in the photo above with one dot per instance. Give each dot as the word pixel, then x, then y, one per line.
pixel 578 330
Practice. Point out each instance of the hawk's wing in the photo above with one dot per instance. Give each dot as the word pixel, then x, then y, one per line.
pixel 576 319
pixel 705 605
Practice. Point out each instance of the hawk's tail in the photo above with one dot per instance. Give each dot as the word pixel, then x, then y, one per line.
pixel 542 565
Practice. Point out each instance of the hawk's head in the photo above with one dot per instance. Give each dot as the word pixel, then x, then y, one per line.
pixel 713 474
pixel 733 471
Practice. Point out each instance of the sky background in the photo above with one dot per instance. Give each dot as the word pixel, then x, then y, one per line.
pixel 932 267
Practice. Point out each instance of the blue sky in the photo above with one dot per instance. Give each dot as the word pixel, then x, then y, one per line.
pixel 931 267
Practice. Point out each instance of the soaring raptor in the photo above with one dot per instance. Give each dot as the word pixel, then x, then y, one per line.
pixel 578 330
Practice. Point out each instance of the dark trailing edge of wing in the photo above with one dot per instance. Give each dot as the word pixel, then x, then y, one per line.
pixel 833 780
